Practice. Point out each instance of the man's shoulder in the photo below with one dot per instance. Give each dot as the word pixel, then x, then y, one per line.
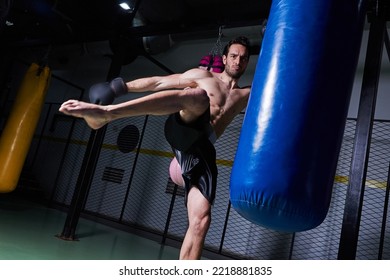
pixel 199 73
pixel 245 90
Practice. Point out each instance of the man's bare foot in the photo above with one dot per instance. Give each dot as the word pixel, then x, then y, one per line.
pixel 93 114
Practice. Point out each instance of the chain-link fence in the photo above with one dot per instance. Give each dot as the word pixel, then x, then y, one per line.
pixel 131 187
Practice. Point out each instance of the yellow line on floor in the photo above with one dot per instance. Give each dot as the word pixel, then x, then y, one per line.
pixel 369 183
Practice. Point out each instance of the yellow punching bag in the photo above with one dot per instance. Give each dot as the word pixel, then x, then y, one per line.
pixel 20 127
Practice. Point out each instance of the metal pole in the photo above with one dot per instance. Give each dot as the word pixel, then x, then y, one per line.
pixel 387 44
pixel 355 192
pixel 133 169
pixel 384 217
pixel 169 216
pixel 224 228
pixel 88 167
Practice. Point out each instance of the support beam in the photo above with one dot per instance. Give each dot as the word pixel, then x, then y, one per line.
pixel 361 149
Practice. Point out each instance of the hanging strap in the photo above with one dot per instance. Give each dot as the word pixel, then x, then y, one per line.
pixel 213 61
pixel 217 48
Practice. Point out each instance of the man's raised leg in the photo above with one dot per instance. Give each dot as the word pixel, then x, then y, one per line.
pixel 191 103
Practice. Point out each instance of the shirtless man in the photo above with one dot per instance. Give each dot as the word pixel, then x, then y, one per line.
pixel 201 105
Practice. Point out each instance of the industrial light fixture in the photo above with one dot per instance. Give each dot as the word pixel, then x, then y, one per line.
pixel 125 6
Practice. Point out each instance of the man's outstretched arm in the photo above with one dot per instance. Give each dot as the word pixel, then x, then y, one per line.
pixel 105 93
pixel 174 81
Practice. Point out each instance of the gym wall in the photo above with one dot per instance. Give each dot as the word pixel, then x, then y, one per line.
pixel 133 189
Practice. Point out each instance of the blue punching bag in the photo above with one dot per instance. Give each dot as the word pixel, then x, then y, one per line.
pixel 283 173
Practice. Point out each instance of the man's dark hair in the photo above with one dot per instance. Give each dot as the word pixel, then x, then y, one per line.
pixel 242 40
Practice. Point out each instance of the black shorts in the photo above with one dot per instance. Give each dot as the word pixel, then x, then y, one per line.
pixel 195 153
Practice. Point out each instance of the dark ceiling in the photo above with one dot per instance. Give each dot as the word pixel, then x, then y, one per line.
pixel 29 22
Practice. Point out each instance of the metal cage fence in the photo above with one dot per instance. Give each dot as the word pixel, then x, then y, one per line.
pixel 132 188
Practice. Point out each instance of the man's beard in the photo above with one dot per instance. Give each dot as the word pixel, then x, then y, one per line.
pixel 234 74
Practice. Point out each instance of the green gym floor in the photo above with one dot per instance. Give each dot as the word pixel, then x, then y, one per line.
pixel 28 230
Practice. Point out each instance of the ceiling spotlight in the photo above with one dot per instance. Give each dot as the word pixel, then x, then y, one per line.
pixel 125 6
